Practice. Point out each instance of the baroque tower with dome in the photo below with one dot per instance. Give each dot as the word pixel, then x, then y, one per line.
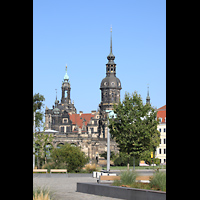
pixel 110 86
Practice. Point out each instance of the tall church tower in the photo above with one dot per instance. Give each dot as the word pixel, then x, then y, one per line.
pixel 110 85
pixel 66 100
pixel 148 97
pixel 66 89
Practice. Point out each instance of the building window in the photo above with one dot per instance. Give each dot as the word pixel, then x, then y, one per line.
pixel 160 119
pixel 164 141
pixel 164 151
pixel 62 129
pixel 159 151
pixel 164 130
pixel 68 129
pixel 66 94
pixel 65 120
pixel 160 130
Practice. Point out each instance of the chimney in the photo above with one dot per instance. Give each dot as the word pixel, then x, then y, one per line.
pixel 93 112
pixel 80 113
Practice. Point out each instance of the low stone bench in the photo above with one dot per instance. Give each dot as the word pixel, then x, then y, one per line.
pixel 58 170
pixel 40 170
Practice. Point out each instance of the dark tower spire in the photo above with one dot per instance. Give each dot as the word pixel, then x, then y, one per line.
pixel 148 97
pixel 56 101
pixel 111 39
pixel 111 57
pixel 56 94
pixel 110 86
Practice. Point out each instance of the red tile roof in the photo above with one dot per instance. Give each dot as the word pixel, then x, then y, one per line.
pixel 78 119
pixel 162 113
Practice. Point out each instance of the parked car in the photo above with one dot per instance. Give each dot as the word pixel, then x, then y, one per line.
pixel 142 163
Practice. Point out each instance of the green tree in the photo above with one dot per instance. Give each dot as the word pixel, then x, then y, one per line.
pixel 42 142
pixel 135 127
pixel 112 155
pixel 37 106
pixel 69 156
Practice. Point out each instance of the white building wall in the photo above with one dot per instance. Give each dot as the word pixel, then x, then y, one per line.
pixel 161 150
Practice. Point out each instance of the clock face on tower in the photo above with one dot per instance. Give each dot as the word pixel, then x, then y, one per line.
pixel 105 83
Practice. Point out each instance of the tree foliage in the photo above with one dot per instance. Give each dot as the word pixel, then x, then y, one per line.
pixel 112 155
pixel 37 106
pixel 135 127
pixel 69 156
pixel 42 143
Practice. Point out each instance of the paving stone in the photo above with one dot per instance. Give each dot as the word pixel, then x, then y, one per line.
pixel 65 188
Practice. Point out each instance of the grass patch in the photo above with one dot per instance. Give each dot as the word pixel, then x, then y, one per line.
pixel 42 193
pixel 128 179
pixel 137 167
pixel 158 181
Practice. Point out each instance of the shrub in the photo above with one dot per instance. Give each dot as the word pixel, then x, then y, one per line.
pixel 91 168
pixel 158 181
pixel 68 157
pixel 122 160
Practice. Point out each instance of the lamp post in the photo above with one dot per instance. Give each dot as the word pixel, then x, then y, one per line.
pixel 33 140
pixel 111 114
pixel 108 149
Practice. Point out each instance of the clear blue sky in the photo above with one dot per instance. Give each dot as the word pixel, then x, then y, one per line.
pixel 77 33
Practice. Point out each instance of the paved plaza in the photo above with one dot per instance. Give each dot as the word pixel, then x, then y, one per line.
pixel 64 188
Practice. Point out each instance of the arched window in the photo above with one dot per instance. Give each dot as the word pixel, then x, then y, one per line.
pixel 48 148
pixel 59 145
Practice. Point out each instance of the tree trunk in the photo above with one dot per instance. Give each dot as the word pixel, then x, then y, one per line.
pixel 128 164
